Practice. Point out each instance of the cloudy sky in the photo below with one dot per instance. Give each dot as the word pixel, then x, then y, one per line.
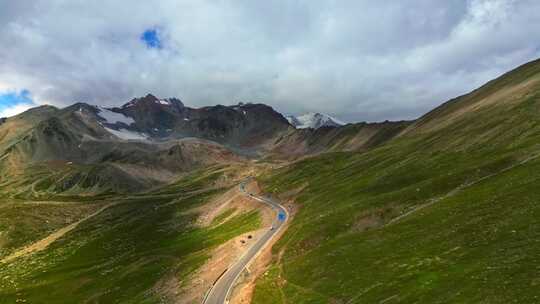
pixel 357 60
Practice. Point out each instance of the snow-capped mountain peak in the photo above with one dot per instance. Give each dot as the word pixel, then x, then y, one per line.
pixel 313 120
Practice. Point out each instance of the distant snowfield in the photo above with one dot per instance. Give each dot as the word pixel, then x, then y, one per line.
pixel 313 120
pixel 113 117
pixel 127 134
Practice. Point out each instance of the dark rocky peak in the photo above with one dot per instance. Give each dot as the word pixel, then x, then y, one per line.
pixel 150 97
pixel 152 101
pixel 175 101
pixel 153 115
pixel 253 106
pixel 262 111
pixel 146 100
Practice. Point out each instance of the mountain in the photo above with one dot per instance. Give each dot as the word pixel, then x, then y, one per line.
pixel 139 132
pixel 146 142
pixel 242 126
pixel 313 121
pixel 166 137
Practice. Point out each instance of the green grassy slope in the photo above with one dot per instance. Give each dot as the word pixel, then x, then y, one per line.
pixel 22 223
pixel 446 214
pixel 126 253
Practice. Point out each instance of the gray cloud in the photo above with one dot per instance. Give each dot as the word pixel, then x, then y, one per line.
pixel 357 60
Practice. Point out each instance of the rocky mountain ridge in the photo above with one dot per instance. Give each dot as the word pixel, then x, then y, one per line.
pixel 165 136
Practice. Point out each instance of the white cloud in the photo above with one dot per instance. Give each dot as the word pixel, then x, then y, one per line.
pixel 352 59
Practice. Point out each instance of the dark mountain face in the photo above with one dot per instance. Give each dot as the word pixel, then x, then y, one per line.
pixel 152 115
pixel 243 125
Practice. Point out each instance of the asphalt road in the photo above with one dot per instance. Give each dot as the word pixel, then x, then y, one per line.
pixel 219 293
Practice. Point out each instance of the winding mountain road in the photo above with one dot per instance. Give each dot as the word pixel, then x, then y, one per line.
pixel 220 291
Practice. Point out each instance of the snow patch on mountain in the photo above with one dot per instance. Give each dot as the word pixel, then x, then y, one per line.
pixel 111 117
pixel 127 134
pixel 313 121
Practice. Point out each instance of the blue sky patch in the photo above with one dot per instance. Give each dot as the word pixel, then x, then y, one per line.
pixel 11 99
pixel 13 103
pixel 151 38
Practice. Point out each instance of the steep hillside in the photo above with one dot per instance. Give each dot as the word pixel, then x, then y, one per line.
pixel 445 213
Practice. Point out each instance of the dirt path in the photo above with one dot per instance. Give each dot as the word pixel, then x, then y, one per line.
pixel 45 242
